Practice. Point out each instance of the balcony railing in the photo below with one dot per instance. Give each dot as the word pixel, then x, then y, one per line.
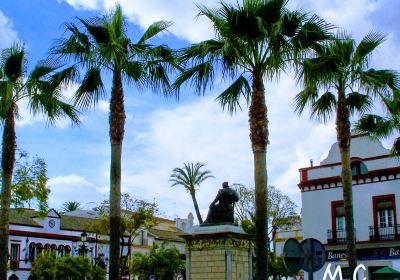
pixel 377 233
pixel 338 236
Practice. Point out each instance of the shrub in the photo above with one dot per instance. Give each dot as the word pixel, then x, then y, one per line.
pixel 48 267
pixel 161 262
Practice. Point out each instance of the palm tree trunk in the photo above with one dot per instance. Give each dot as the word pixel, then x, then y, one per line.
pixel 7 165
pixel 259 139
pixel 196 207
pixel 117 123
pixel 344 138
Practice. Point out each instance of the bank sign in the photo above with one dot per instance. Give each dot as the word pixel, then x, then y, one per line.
pixel 365 254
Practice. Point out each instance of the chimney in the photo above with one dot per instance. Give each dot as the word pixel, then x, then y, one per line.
pixel 311 163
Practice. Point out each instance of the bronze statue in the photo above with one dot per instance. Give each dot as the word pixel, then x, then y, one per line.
pixel 222 213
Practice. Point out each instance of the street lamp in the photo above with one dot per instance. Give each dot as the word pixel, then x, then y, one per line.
pixel 26 250
pixel 83 247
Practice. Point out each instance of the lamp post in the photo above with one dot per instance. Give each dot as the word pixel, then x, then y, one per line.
pixel 83 247
pixel 26 250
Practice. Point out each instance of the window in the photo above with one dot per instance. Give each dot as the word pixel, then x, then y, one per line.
pixel 61 251
pixel 39 249
pixel 339 216
pixel 67 250
pixel 358 168
pixel 32 251
pixel 384 208
pixel 14 256
pixel 142 239
pixel 385 227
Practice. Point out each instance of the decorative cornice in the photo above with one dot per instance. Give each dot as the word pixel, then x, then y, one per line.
pixel 373 176
pixel 339 163
pixel 210 244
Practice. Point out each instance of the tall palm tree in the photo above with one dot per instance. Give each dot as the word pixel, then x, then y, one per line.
pixel 190 177
pixel 99 46
pixel 338 81
pixel 383 127
pixel 70 206
pixel 253 42
pixel 42 89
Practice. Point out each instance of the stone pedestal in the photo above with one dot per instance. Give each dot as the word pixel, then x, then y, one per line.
pixel 222 252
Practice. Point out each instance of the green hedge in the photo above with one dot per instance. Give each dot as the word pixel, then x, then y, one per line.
pixel 48 267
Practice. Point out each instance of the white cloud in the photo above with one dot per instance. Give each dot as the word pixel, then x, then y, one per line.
pixel 201 131
pixel 7 33
pixel 74 188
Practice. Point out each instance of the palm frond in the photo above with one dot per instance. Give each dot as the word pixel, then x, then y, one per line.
pixel 99 32
pixel 117 22
pixel 230 98
pixel 323 108
pixel 53 108
pixel 364 49
pixel 357 102
pixel 305 98
pixel 395 151
pixel 154 29
pixel 13 61
pixel 91 89
pixel 379 82
pixel 311 33
pixel 200 77
pixel 76 46
pixel 375 125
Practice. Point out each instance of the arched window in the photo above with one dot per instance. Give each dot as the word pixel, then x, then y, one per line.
pixel 39 249
pixel 358 168
pixel 32 251
pixel 47 247
pixel 53 247
pixel 67 250
pixel 61 251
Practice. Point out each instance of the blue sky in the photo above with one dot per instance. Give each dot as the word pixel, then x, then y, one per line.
pixel 162 134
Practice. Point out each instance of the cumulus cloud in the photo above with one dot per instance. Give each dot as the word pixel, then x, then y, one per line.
pixel 74 188
pixel 201 131
pixel 7 33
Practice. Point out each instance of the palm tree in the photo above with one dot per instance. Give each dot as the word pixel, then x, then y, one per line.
pixel 383 127
pixel 337 81
pixel 70 206
pixel 42 89
pixel 253 42
pixel 190 177
pixel 99 46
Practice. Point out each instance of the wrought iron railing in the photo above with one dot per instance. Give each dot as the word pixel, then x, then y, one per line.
pixel 336 236
pixel 377 233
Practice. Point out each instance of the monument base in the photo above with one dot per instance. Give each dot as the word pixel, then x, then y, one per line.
pixel 220 252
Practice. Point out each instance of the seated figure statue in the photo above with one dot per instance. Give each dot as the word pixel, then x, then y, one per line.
pixel 222 212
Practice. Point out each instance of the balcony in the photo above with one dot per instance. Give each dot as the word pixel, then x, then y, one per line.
pixel 377 233
pixel 336 236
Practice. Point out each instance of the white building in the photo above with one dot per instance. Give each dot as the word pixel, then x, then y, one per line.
pixel 376 190
pixel 30 234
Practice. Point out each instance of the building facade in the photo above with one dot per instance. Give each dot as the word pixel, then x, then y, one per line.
pixel 31 234
pixel 376 192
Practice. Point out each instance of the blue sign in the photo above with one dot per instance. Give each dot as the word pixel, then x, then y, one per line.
pixel 152 277
pixel 365 254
